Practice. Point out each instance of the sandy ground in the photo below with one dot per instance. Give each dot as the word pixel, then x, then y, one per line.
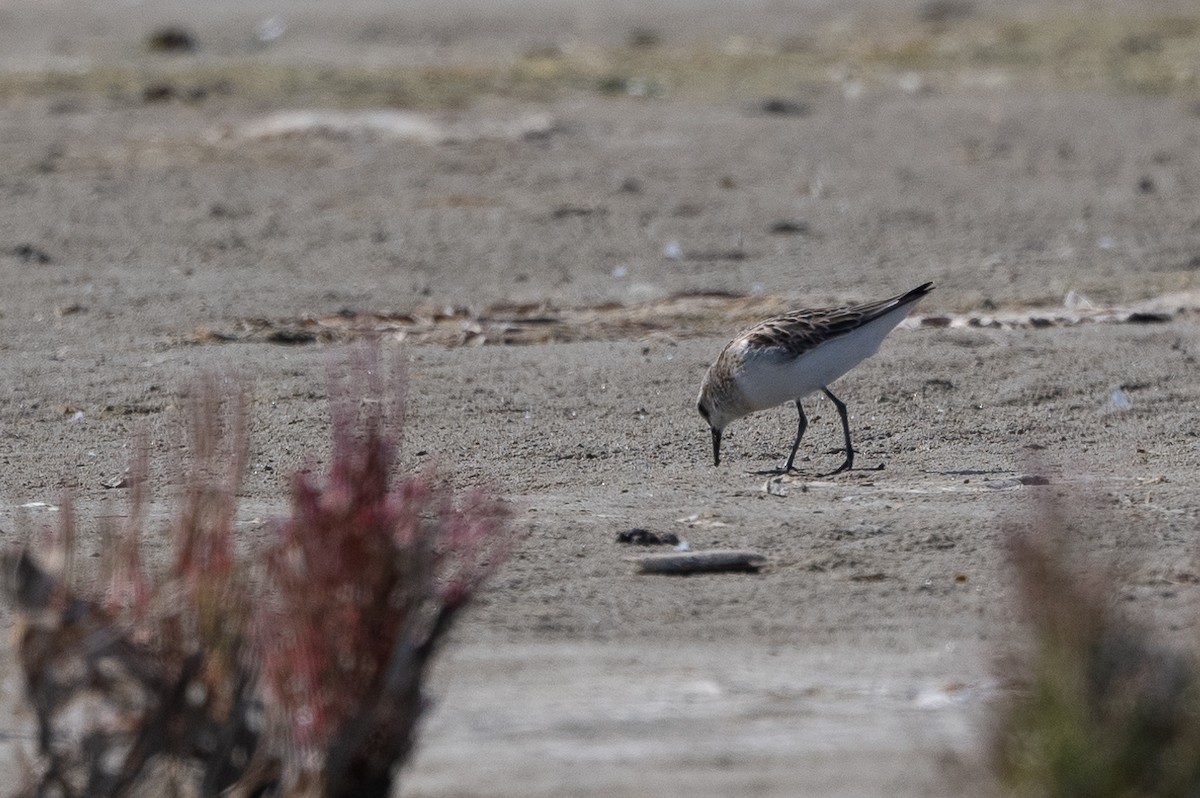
pixel 143 243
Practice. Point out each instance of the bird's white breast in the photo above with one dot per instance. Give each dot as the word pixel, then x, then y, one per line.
pixel 770 377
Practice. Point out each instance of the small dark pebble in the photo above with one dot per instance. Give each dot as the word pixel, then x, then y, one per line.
pixel 790 227
pixel 942 12
pixel 171 40
pixel 28 253
pixel 219 210
pixel 158 93
pixel 1146 185
pixel 781 107
pixel 1146 317
pixel 644 537
pixel 1033 479
pixel 644 38
pixel 1142 44
pixel 567 211
pixel 291 337
pixel 631 185
pixel 613 84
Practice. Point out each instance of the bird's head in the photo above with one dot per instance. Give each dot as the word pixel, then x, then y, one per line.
pixel 717 409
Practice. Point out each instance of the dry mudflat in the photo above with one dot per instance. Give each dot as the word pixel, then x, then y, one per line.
pixel 562 215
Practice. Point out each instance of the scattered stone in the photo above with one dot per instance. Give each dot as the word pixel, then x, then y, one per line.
pixel 1001 484
pixel 612 84
pixel 119 481
pixel 644 38
pixel 778 106
pixel 158 93
pixel 28 253
pixel 1033 479
pixel 695 562
pixel 220 210
pixel 269 29
pixel 644 537
pixel 568 211
pixel 941 12
pixel 171 39
pixel 1142 43
pixel 790 227
pixel 291 337
pixel 543 52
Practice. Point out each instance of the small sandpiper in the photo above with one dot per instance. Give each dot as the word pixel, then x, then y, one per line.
pixel 785 358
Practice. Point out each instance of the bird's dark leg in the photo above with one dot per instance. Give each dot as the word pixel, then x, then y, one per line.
pixel 841 408
pixel 799 434
pixel 795 445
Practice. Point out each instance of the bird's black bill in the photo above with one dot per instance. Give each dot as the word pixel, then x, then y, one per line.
pixel 716 446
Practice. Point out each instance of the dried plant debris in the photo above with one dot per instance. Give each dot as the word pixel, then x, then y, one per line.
pixel 310 684
pixel 681 316
pixel 1100 708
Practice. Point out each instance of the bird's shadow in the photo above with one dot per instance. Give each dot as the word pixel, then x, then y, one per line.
pixel 779 472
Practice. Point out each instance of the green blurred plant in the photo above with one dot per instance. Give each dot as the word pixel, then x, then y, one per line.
pixel 1102 711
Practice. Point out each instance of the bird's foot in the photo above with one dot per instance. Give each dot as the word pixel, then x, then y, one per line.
pixel 849 466
pixel 773 472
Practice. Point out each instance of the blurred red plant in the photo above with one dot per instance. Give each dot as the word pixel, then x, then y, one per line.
pixel 149 664
pixel 364 580
pixel 369 579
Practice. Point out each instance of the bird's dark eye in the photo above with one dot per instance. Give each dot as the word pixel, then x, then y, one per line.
pixel 703 410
